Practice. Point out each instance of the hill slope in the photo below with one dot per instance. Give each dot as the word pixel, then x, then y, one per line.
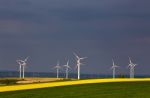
pixel 102 90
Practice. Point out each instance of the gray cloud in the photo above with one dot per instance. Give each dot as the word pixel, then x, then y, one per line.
pixel 52 29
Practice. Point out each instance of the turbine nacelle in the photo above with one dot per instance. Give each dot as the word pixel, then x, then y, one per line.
pixel 114 65
pixel 57 66
pixel 79 58
pixel 67 65
pixel 131 64
pixel 22 62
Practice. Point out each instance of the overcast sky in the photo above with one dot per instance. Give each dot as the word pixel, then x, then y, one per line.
pixel 51 30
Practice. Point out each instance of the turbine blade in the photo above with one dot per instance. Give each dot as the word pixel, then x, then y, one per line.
pixel 68 62
pixel 76 66
pixel 83 58
pixel 82 64
pixel 135 65
pixel 57 63
pixel 129 66
pixel 65 65
pixel 113 62
pixel 19 62
pixel 111 67
pixel 26 59
pixel 130 60
pixel 76 55
pixel 69 67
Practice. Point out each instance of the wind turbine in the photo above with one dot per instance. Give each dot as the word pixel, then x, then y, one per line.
pixel 22 64
pixel 79 64
pixel 57 67
pixel 131 66
pixel 18 61
pixel 67 69
pixel 114 68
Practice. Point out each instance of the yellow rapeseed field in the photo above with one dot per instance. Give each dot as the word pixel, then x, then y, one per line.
pixel 65 83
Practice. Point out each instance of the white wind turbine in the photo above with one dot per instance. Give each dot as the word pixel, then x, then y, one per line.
pixel 131 66
pixel 114 68
pixel 22 64
pixel 57 67
pixel 20 68
pixel 79 64
pixel 67 69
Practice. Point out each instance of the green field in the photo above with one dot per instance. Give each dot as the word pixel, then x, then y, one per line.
pixel 101 90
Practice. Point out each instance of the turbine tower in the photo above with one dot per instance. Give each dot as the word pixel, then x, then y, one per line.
pixel 114 69
pixel 67 69
pixel 20 68
pixel 79 64
pixel 131 66
pixel 57 67
pixel 22 64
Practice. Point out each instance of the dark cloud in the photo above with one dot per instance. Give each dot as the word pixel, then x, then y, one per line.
pixel 49 30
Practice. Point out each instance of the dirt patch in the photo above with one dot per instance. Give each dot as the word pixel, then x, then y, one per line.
pixel 38 80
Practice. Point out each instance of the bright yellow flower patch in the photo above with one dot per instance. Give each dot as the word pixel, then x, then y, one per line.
pixel 65 83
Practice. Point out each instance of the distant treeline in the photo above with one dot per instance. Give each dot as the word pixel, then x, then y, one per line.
pixel 4 74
